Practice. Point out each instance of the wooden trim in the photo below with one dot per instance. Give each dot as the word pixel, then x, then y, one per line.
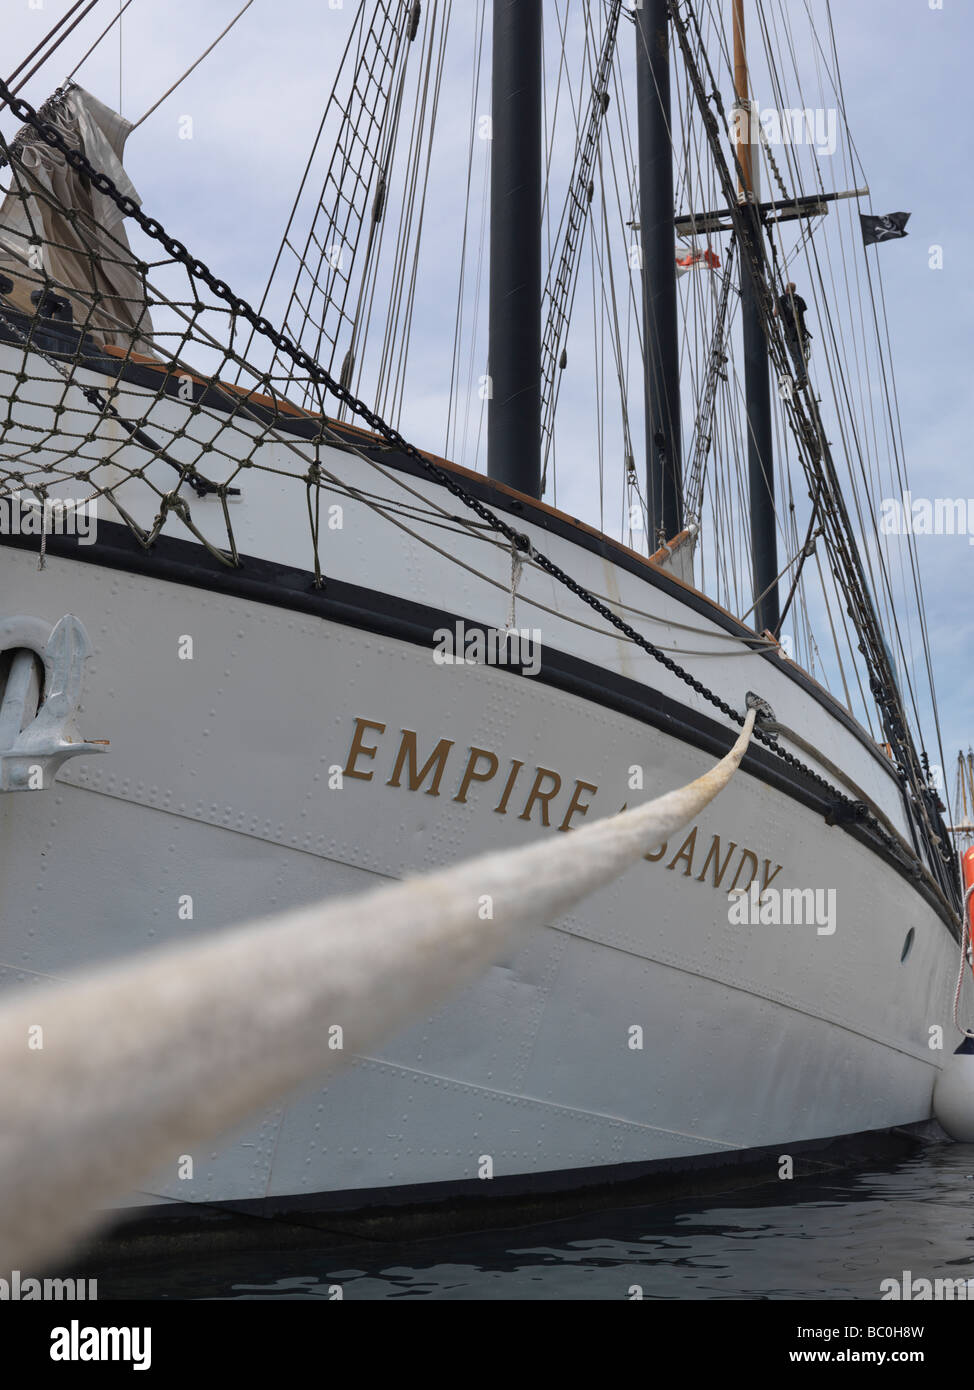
pixel 277 403
pixel 660 556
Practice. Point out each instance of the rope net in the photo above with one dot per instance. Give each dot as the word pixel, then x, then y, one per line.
pixel 115 373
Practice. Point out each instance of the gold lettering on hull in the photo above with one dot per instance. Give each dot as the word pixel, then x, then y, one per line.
pixel 407 754
pixel 544 798
pixel 482 766
pixel 471 774
pixel 684 854
pixel 718 869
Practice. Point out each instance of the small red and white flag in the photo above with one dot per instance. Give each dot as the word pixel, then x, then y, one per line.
pixel 689 256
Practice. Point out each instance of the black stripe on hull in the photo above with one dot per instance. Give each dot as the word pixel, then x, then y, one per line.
pixel 266 582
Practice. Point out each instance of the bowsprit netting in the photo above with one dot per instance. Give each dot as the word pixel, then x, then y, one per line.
pixel 114 372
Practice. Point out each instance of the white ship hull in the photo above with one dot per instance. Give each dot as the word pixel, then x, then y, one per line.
pixel 644 1026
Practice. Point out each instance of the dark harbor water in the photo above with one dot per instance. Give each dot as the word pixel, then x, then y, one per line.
pixel 836 1235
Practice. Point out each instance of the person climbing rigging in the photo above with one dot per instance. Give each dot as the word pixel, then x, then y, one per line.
pixel 791 309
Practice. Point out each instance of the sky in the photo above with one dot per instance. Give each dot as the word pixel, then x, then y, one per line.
pixel 255 103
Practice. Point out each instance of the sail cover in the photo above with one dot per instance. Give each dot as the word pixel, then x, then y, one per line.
pixel 84 257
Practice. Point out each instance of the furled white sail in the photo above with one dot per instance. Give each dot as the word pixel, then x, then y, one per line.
pixel 86 258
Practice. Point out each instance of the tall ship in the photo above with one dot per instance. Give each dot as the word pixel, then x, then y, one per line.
pixel 295 600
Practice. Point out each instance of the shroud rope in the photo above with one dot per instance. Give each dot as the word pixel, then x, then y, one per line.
pixel 143 1060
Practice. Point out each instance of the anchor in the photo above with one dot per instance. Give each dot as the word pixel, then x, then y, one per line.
pixel 37 721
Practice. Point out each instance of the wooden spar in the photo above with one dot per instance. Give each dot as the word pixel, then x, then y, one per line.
pixel 757 387
pixel 777 210
pixel 741 90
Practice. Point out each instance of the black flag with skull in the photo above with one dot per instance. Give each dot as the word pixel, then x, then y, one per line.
pixel 887 228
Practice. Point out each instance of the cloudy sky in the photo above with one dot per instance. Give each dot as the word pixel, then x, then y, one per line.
pixel 255 104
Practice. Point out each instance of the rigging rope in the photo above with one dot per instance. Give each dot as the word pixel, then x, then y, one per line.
pixel 53 49
pixel 317 311
pixel 452 410
pixel 107 30
pixel 205 54
pixel 560 287
pixel 703 426
pixel 816 458
pixel 841 342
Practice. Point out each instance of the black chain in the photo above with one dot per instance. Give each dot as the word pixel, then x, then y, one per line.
pixel 843 808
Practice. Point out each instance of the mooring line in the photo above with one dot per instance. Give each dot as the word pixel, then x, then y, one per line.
pixel 107 1077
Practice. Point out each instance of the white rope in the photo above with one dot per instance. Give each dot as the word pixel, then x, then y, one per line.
pixel 148 1059
pixel 194 66
pixel 91 50
pixel 516 566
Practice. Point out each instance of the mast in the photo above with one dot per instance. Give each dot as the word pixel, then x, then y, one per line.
pixel 664 460
pixel 514 403
pixel 757 386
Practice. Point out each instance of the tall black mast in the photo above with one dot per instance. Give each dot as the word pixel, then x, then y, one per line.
pixel 664 464
pixel 757 385
pixel 514 405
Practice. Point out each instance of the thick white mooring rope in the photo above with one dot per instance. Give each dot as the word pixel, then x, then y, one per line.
pixel 144 1060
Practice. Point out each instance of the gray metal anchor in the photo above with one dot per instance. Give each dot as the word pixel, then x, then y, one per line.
pixel 37 721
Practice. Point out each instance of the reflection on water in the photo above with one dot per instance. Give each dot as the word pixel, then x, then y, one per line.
pixel 837 1235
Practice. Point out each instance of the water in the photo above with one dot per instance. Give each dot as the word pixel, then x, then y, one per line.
pixel 833 1236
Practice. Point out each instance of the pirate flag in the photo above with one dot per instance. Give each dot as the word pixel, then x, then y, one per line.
pixel 887 228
